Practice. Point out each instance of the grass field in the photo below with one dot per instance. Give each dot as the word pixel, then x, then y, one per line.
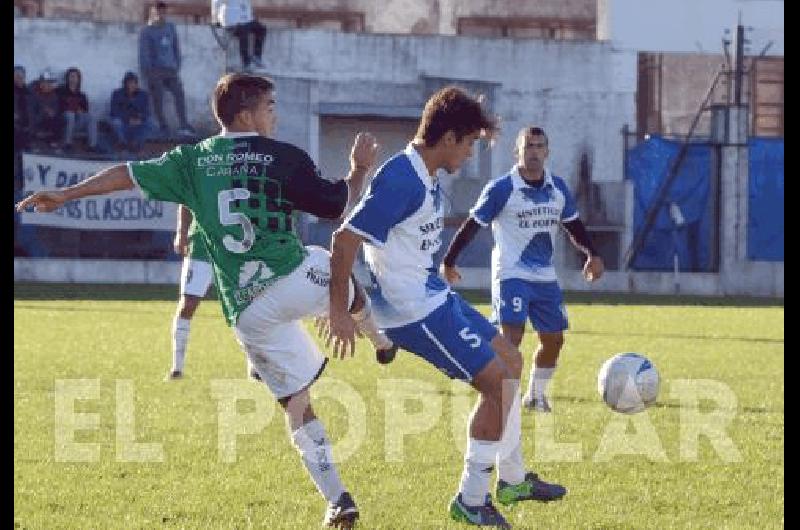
pixel 119 339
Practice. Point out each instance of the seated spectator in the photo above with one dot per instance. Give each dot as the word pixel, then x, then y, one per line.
pixel 159 62
pixel 130 114
pixel 22 97
pixel 46 117
pixel 75 108
pixel 236 16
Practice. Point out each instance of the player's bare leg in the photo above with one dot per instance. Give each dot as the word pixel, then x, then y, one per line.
pixel 187 305
pixel 544 366
pixel 473 504
pixel 514 482
pixel 309 437
pixel 361 311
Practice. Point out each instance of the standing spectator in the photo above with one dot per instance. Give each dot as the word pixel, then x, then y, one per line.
pixel 22 121
pixel 75 108
pixel 236 16
pixel 46 118
pixel 130 114
pixel 159 62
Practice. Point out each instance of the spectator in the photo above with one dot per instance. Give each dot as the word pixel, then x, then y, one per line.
pixel 22 99
pixel 75 108
pixel 130 114
pixel 236 16
pixel 46 118
pixel 159 62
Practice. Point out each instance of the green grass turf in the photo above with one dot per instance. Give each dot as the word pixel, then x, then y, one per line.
pixel 119 338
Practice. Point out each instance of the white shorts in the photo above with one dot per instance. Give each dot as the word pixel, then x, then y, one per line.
pixel 196 277
pixel 270 331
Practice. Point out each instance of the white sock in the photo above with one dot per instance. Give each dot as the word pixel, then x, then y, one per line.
pixel 510 466
pixel 366 325
pixel 315 449
pixel 180 337
pixel 478 465
pixel 540 378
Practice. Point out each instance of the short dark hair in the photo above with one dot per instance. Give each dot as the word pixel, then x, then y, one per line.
pixel 161 6
pixel 532 131
pixel 237 92
pixel 452 109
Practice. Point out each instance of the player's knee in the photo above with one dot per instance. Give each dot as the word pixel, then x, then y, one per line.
pixel 515 364
pixel 552 341
pixel 298 409
pixel 510 354
pixel 188 305
pixel 490 381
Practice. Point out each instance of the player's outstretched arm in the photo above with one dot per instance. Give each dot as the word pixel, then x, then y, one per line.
pixel 464 235
pixel 342 327
pixel 114 178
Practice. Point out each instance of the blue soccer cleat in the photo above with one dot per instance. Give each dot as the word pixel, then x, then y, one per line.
pixel 530 489
pixel 486 515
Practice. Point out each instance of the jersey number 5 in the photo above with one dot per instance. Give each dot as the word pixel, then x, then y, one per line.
pixel 228 218
pixel 473 339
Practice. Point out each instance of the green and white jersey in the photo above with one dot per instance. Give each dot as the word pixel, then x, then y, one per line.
pixel 197 249
pixel 243 190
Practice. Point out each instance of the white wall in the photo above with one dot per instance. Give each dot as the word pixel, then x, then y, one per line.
pixel 581 92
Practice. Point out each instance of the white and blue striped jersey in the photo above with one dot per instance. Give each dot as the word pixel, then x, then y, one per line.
pixel 524 222
pixel 401 216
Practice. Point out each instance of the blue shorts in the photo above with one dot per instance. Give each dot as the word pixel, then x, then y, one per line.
pixel 455 338
pixel 541 302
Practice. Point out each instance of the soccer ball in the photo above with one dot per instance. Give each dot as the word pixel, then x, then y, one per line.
pixel 628 383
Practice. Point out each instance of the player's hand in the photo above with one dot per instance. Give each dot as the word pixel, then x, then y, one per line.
pixel 364 151
pixel 593 268
pixel 342 334
pixel 180 244
pixel 43 201
pixel 451 274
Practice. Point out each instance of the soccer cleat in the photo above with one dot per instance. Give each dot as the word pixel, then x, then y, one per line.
pixel 173 375
pixel 342 513
pixel 486 515
pixel 386 355
pixel 530 489
pixel 539 405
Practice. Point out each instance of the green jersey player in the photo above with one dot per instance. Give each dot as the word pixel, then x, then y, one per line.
pixel 196 278
pixel 243 189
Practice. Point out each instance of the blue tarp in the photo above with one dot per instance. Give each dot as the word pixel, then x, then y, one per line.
pixel 766 195
pixel 648 166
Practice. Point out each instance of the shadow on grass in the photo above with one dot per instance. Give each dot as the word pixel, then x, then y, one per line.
pixel 101 291
pixel 591 298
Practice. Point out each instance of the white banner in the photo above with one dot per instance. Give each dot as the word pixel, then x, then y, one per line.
pixel 122 210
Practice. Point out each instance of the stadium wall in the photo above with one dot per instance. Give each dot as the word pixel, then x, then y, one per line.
pixel 582 93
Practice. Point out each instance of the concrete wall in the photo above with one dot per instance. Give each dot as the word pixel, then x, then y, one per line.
pixel 384 16
pixel 768 283
pixel 685 80
pixel 581 92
